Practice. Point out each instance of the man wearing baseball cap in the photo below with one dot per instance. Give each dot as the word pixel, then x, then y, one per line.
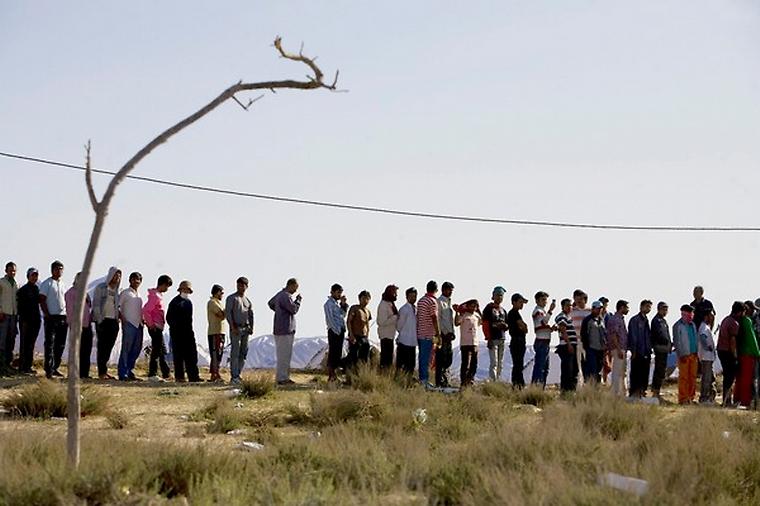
pixel 29 321
pixel 494 327
pixel 518 330
pixel 179 316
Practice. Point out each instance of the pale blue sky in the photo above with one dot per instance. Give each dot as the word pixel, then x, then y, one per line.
pixel 588 111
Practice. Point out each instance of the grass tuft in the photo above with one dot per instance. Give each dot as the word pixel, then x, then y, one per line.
pixel 255 386
pixel 46 399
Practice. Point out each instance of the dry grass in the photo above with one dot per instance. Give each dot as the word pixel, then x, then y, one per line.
pixel 367 445
pixel 47 399
pixel 257 385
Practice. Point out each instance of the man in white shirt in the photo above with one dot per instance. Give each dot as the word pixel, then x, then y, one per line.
pixel 407 333
pixel 542 325
pixel 53 305
pixel 131 308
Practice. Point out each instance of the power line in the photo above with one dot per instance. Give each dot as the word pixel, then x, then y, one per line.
pixel 382 210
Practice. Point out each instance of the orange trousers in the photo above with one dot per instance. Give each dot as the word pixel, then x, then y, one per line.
pixel 743 389
pixel 687 378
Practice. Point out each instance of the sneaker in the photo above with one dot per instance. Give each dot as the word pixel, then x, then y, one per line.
pixel 235 381
pixel 286 382
pixel 155 379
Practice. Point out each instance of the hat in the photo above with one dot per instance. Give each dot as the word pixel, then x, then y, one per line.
pixel 186 285
pixel 517 297
pixel 662 304
pixel 31 270
pixel 499 290
pixel 597 304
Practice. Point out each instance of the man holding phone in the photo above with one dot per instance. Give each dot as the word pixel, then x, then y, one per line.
pixel 285 308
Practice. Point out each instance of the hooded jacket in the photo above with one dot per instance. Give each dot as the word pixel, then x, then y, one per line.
pixel 100 297
pixel 682 340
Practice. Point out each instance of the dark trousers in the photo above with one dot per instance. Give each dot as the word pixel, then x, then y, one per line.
pixel 386 353
pixel 158 354
pixel 660 366
pixel 444 356
pixel 335 349
pixel 593 365
pixel 185 355
pixel 568 368
pixel 358 350
pixel 216 352
pixel 107 331
pixel 56 329
pixel 8 331
pixel 639 378
pixel 85 350
pixel 730 365
pixel 406 356
pixel 29 330
pixel 469 354
pixel 517 351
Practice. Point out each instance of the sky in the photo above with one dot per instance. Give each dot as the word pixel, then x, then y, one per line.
pixel 606 112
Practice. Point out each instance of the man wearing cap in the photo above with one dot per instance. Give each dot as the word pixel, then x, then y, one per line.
pixel 495 328
pixel 285 308
pixel 617 344
pixel 518 330
pixel 8 317
pixel 53 306
pixel 543 328
pixel 387 317
pixel 640 346
pixel 685 343
pixel 29 321
pixel 594 338
pixel 154 314
pixel 444 353
pixel 239 312
pixel 661 345
pixel 179 316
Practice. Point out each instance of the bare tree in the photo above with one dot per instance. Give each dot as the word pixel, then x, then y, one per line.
pixel 312 82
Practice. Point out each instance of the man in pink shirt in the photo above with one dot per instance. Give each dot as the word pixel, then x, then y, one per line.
pixel 154 314
pixel 85 343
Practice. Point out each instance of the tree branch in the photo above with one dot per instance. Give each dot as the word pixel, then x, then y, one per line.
pixel 88 177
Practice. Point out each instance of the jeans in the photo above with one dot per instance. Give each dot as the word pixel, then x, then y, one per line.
pixel 541 362
pixel 405 356
pixel 238 353
pixel 8 331
pixel 131 346
pixel 593 365
pixel 284 346
pixel 568 368
pixel 386 353
pixel 357 351
pixel 107 331
pixel 56 329
pixel 444 356
pixel 469 354
pixel 658 376
pixel 706 392
pixel 617 375
pixel 496 356
pixel 517 352
pixel 426 348
pixel 216 352
pixel 639 374
pixel 85 350
pixel 29 330
pixel 730 365
pixel 185 353
pixel 157 354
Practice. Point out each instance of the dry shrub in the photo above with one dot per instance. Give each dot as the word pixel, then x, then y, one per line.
pixel 117 419
pixel 255 386
pixel 533 395
pixel 47 399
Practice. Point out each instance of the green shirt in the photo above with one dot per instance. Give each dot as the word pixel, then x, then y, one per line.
pixel 746 342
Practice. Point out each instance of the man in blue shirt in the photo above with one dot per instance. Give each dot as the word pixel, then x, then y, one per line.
pixel 335 317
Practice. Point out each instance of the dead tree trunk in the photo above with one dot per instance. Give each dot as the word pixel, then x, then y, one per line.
pixel 101 207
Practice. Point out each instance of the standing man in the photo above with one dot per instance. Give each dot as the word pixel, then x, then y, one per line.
pixel 444 353
pixel 335 317
pixel 29 319
pixel 706 354
pixel 685 342
pixel 640 346
pixel 566 348
pixel 8 318
pixel 179 316
pixel 53 305
pixel 239 311
pixel 357 321
pixel 747 352
pixel 594 338
pixel 131 312
pixel 662 345
pixel 518 330
pixel 85 342
pixel 495 327
pixel 407 333
pixel 105 312
pixel 701 306
pixel 285 309
pixel 387 318
pixel 617 342
pixel 468 320
pixel 578 314
pixel 543 328
pixel 217 329
pixel 729 331
pixel 154 315
pixel 427 329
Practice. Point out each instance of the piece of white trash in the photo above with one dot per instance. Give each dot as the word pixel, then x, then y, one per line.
pixel 233 392
pixel 624 483
pixel 251 446
pixel 726 434
pixel 234 432
pixel 420 415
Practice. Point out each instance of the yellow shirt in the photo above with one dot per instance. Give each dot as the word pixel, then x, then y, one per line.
pixel 216 321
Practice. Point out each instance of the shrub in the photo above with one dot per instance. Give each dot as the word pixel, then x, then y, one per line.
pixel 255 386
pixel 533 395
pixel 497 390
pixel 341 406
pixel 117 419
pixel 224 418
pixel 47 399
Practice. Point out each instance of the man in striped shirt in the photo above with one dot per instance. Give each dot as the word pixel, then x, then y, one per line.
pixel 427 328
pixel 566 348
